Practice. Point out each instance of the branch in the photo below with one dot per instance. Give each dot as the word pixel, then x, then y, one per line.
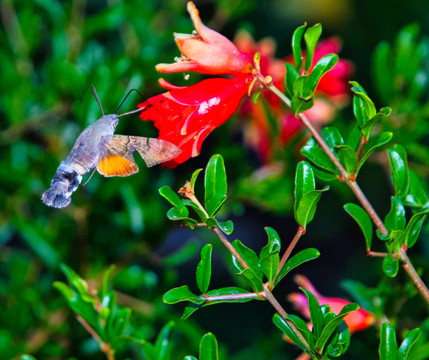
pixel 406 264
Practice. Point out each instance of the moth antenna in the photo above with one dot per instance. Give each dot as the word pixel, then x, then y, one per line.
pixel 86 182
pixel 138 110
pixel 98 100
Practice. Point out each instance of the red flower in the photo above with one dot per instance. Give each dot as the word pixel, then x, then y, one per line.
pixel 185 116
pixel 207 52
pixel 357 320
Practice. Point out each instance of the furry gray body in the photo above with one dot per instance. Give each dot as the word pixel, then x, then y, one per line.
pixel 88 148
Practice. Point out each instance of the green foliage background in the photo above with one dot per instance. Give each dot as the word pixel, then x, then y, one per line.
pixel 51 52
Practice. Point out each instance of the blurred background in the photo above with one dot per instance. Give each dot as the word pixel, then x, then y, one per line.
pixel 53 51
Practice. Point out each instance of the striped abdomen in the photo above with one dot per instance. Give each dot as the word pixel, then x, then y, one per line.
pixel 66 180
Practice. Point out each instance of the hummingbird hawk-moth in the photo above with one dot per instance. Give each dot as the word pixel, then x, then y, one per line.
pixel 112 155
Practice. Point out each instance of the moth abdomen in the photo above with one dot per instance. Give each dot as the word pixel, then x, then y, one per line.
pixel 65 181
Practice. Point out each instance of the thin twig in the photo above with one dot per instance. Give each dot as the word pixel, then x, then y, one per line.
pixel 105 347
pixel 289 249
pixel 244 296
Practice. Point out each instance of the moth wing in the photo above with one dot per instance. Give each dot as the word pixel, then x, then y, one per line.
pixel 153 151
pixel 113 164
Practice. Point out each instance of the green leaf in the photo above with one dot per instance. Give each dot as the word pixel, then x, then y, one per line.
pixel 325 64
pixel 176 215
pixel 347 157
pixel 369 125
pixel 318 157
pixel 390 265
pixel 196 208
pixel 291 75
pixel 307 206
pixel 311 37
pixel 174 200
pixel 296 260
pixel 388 349
pixel 163 342
pixel 194 179
pixel 304 182
pixel 414 227
pixel 254 272
pixel 395 219
pixel 354 138
pixel 363 107
pixel 204 268
pixel 189 310
pixel 416 196
pixel 399 169
pixel 286 329
pixel 269 255
pixel 303 96
pixel 208 347
pixel 333 324
pixel 409 340
pixel 296 45
pixel 383 139
pixel 181 293
pixel 226 226
pixel 332 137
pixel 215 184
pixel 74 279
pixel 363 220
pixel 316 316
pixel 249 256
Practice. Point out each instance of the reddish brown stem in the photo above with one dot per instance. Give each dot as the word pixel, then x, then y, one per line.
pixel 290 248
pixel 105 347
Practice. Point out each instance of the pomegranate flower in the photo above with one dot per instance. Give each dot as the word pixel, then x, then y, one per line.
pixel 207 52
pixel 185 116
pixel 357 320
